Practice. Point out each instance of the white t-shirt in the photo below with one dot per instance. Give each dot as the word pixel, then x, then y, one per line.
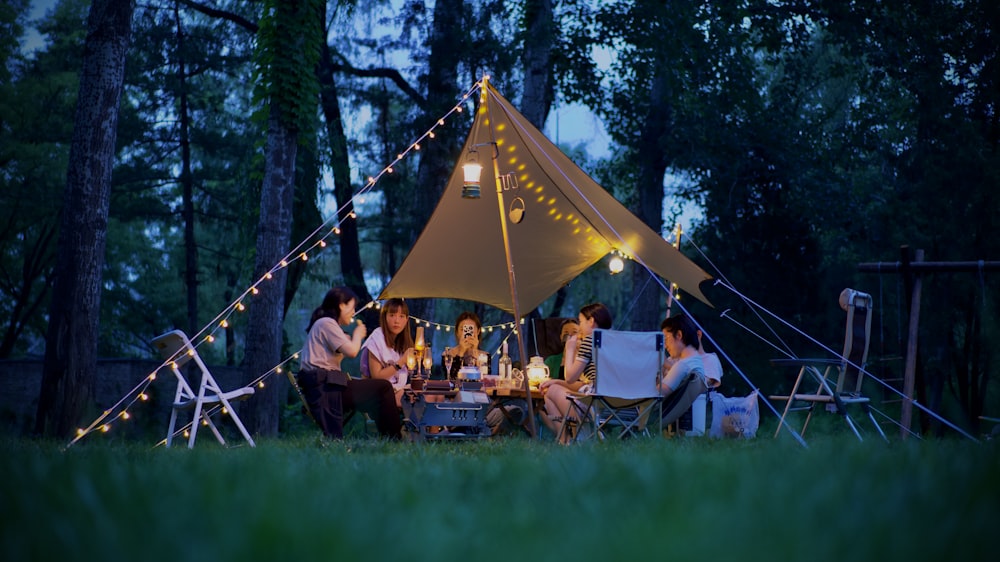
pixel 713 370
pixel 679 371
pixel 379 348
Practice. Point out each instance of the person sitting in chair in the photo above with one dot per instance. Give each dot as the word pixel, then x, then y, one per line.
pixel 387 348
pixel 468 328
pixel 328 391
pixel 580 369
pixel 684 379
pixel 556 362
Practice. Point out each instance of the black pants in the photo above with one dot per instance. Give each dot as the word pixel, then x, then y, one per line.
pixel 328 401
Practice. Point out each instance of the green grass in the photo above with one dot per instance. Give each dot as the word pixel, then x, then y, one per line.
pixel 683 499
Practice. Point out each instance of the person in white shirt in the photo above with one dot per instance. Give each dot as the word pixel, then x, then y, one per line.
pixel 387 349
pixel 685 376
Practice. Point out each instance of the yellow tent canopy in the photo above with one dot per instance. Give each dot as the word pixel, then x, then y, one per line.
pixel 569 222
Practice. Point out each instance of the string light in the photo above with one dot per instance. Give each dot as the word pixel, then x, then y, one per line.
pixel 440 325
pixel 222 318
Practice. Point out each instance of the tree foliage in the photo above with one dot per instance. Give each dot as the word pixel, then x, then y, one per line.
pixel 812 135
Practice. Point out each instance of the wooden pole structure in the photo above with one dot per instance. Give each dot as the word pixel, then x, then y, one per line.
pixel 912 272
pixel 512 278
pixel 909 374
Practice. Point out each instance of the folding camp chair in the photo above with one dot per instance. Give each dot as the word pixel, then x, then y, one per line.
pixel 177 350
pixel 849 369
pixel 625 386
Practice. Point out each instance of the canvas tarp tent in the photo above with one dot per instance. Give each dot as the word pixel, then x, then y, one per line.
pixel 569 223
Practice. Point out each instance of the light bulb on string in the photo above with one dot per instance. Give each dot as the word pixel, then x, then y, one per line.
pixel 616 265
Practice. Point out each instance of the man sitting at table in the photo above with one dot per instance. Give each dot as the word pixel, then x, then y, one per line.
pixel 555 362
pixel 685 376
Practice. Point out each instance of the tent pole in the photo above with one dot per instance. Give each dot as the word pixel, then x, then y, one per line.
pixel 526 386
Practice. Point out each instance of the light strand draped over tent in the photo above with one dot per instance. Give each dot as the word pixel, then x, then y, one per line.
pixel 568 222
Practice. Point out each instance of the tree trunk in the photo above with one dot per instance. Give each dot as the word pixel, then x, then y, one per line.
pixel 536 101
pixel 264 330
pixel 187 185
pixel 438 158
pixel 652 164
pixel 71 341
pixel 350 249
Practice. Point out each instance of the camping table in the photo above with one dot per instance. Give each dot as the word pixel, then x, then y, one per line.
pixel 500 397
pixel 462 412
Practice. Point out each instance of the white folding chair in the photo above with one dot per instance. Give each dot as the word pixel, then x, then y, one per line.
pixel 177 350
pixel 625 386
pixel 849 369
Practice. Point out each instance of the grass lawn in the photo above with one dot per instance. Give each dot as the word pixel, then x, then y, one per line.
pixel 302 498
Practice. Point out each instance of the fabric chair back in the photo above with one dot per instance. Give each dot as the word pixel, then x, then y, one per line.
pixel 628 363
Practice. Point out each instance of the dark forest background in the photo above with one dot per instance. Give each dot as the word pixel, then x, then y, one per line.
pixel 812 135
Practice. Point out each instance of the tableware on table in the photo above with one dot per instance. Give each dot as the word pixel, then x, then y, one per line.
pixel 516 378
pixel 469 373
pixel 448 361
pixel 484 363
pixel 538 371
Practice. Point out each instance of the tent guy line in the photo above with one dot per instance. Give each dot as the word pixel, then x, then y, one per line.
pixel 842 358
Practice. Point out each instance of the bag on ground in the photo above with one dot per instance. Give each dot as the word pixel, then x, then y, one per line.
pixel 736 417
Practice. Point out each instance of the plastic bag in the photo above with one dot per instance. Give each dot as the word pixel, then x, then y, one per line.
pixel 736 417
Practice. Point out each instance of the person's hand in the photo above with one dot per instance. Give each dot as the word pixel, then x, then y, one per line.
pixel 571 344
pixel 550 382
pixel 361 331
pixel 467 345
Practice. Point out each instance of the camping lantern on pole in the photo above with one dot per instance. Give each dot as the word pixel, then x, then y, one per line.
pixel 471 170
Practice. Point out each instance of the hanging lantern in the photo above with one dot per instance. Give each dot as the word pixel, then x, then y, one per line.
pixel 471 171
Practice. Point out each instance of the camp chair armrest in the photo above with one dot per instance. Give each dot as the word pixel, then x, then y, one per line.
pixel 233 395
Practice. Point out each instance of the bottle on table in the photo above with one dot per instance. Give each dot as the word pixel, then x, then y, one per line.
pixel 504 367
